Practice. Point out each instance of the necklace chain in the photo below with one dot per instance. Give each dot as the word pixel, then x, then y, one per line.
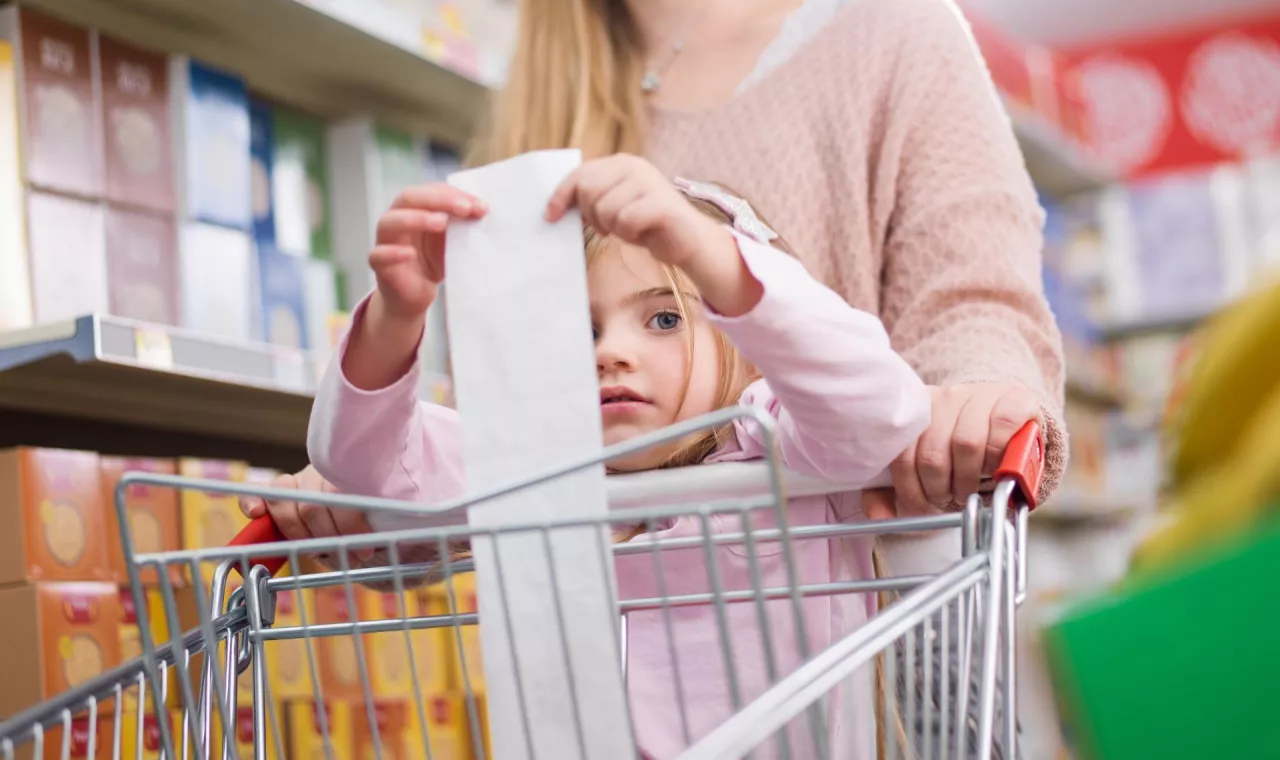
pixel 653 76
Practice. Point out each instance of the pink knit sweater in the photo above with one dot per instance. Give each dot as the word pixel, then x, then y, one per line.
pixel 882 155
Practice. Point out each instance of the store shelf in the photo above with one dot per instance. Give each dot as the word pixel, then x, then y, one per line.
pixel 104 369
pixel 1056 164
pixel 1093 392
pixel 1182 323
pixel 1069 509
pixel 305 54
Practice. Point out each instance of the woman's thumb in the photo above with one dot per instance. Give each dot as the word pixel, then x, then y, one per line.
pixel 879 504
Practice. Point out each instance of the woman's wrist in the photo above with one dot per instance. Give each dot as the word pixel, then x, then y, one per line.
pixel 383 346
pixel 721 275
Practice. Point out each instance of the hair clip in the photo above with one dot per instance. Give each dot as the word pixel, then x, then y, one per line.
pixel 744 217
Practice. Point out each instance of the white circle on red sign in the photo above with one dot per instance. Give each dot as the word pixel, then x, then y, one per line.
pixel 1231 94
pixel 1128 109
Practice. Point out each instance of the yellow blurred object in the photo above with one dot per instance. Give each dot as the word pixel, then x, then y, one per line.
pixel 1222 433
pixel 1235 370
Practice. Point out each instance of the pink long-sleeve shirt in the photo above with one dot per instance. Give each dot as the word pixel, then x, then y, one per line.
pixel 845 406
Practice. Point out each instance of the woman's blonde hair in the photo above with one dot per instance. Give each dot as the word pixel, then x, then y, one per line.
pixel 573 82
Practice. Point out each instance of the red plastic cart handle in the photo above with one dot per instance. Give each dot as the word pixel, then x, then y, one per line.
pixel 262 530
pixel 1023 461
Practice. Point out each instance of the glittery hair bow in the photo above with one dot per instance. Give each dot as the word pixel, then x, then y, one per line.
pixel 744 217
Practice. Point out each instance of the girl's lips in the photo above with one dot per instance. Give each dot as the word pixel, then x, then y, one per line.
pixel 620 394
pixel 622 408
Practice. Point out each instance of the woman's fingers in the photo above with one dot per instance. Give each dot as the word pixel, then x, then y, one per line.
pixel 1013 409
pixel 969 443
pixel 933 450
pixel 909 493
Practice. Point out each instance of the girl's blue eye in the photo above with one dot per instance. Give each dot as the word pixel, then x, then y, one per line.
pixel 595 335
pixel 665 321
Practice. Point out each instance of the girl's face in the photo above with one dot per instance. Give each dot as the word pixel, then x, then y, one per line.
pixel 642 351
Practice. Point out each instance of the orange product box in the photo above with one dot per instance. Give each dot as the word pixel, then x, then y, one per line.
pixel 153 516
pixel 339 666
pixel 448 728
pixel 103 740
pixel 400 728
pixel 305 732
pixel 210 520
pixel 55 636
pixel 145 741
pixel 288 662
pixel 51 507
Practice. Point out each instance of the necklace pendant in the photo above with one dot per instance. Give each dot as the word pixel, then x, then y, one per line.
pixel 651 82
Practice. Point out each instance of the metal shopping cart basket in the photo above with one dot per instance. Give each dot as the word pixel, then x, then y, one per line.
pixel 381 654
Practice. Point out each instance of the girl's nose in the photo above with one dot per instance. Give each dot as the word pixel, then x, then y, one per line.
pixel 613 354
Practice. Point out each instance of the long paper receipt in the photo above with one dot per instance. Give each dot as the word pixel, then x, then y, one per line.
pixel 528 401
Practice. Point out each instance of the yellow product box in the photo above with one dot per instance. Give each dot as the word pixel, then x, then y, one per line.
pixel 448 728
pixel 304 733
pixel 288 666
pixel 432 650
pixel 463 601
pixel 400 729
pixel 210 520
pixel 145 742
pixel 388 654
pixel 339 667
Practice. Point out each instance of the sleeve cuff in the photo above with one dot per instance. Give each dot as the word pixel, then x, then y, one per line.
pixel 781 276
pixel 409 379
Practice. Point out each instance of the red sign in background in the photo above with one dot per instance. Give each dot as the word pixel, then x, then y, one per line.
pixel 1178 102
pixel 1150 105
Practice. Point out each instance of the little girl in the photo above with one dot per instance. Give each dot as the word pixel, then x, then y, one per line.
pixel 693 309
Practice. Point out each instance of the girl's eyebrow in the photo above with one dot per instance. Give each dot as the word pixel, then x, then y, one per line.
pixel 652 293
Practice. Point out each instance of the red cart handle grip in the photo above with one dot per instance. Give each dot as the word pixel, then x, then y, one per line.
pixel 261 530
pixel 1023 461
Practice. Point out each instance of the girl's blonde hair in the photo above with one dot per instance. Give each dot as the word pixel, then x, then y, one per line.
pixel 735 373
pixel 573 82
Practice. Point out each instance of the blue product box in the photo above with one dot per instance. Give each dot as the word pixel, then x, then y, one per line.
pixel 213 130
pixel 282 288
pixel 262 155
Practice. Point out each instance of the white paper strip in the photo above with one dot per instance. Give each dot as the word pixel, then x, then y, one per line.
pixel 528 399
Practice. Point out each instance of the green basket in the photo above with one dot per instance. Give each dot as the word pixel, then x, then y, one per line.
pixel 1184 666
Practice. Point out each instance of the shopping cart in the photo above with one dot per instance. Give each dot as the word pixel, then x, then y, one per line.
pixel 941 645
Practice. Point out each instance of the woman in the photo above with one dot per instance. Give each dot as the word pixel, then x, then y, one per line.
pixel 869 133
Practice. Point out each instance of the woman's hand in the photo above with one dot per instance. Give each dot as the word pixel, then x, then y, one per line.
pixel 971 426
pixel 408 256
pixel 298 522
pixel 627 198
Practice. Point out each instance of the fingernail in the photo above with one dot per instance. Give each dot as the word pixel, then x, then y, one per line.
pixel 365 555
pixel 462 206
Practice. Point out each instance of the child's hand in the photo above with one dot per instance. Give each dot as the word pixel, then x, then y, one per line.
pixel 628 198
pixel 408 256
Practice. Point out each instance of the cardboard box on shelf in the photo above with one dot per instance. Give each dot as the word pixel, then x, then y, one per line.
pixel 56 636
pixel 210 519
pixel 51 504
pixel 300 182
pixel 142 266
pixel 15 280
pixel 282 285
pixel 262 155
pixel 309 726
pixel 154 523
pixel 136 124
pixel 433 647
pixel 467 668
pixel 338 660
pixel 102 738
pixel 210 111
pixel 321 301
pixel 289 661
pixel 144 742
pixel 68 258
pixel 389 654
pixel 216 276
pixel 57 101
pixel 400 729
